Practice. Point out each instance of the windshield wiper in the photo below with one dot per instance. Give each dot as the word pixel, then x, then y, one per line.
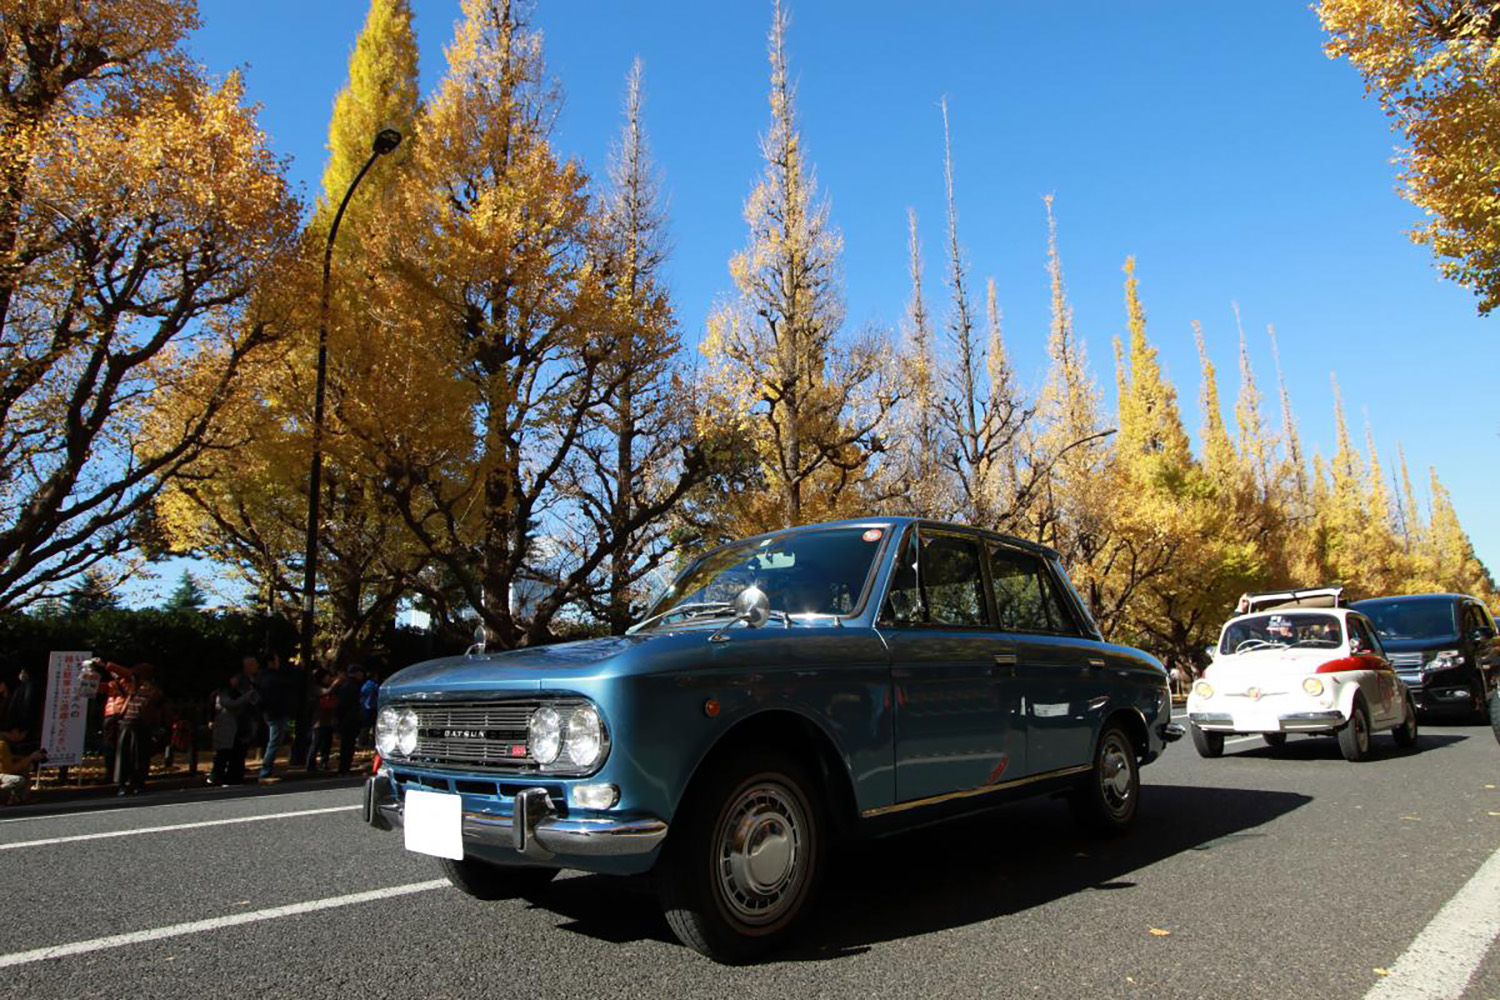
pixel 694 609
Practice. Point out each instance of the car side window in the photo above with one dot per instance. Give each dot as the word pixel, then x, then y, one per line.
pixel 1025 600
pixel 939 585
pixel 1366 635
pixel 951 581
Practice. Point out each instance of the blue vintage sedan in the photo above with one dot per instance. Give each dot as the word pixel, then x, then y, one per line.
pixel 834 680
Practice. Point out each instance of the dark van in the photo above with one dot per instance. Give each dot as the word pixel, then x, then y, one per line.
pixel 1444 646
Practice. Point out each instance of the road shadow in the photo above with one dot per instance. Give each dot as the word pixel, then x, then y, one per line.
pixel 1320 747
pixel 104 800
pixel 954 874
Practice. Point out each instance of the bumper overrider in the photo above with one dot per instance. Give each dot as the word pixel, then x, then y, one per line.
pixel 533 831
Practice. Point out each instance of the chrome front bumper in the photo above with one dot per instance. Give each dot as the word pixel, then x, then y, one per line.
pixel 533 829
pixel 1291 722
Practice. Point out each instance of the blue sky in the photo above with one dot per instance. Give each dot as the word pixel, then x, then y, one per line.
pixel 1215 142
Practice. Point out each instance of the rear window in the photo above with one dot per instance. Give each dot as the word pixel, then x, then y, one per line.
pixel 1283 630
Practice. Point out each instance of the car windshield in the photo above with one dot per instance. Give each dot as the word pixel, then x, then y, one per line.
pixel 1413 618
pixel 1282 630
pixel 816 572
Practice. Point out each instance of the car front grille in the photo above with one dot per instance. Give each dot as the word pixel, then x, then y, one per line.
pixel 477 735
pixel 1407 660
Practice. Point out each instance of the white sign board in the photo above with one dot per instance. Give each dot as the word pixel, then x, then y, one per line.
pixel 67 714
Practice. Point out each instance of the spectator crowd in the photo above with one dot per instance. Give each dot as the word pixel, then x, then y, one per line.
pixel 262 708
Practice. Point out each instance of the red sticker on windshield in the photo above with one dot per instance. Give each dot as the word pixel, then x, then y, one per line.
pixel 873 535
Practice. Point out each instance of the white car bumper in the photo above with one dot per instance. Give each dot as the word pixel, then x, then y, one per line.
pixel 1253 721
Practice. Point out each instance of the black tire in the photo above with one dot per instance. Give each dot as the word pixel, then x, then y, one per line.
pixel 1106 800
pixel 1274 740
pixel 1406 733
pixel 1207 744
pixel 1354 735
pixel 1486 711
pixel 1495 712
pixel 710 892
pixel 483 880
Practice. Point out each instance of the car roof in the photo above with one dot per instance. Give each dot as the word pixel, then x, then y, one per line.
pixel 1415 597
pixel 1338 612
pixel 898 522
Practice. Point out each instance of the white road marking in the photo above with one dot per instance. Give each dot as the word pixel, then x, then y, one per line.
pixel 131 810
pixel 214 923
pixel 1241 739
pixel 174 826
pixel 1442 959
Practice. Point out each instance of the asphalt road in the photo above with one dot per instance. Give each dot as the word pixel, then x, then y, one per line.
pixel 1291 874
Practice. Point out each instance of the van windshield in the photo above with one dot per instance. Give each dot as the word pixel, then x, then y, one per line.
pixel 1282 630
pixel 1413 618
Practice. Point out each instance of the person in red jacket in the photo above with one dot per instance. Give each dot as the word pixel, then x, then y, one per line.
pixel 116 686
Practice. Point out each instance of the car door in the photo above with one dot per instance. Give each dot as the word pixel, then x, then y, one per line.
pixel 1061 676
pixel 1479 635
pixel 1381 691
pixel 956 728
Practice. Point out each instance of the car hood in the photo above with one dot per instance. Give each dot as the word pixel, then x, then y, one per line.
pixel 528 669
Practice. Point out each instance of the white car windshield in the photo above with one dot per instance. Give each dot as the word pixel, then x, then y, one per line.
pixel 1283 630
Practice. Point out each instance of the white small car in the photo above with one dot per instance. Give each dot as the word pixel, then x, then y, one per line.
pixel 1294 669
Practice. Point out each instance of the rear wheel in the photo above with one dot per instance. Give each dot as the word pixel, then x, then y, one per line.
pixel 742 866
pixel 483 880
pixel 1274 740
pixel 1354 737
pixel 1406 733
pixel 1207 744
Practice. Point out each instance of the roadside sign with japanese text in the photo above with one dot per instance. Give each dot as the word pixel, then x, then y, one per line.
pixel 66 714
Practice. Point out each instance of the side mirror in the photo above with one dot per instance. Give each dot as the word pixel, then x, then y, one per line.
pixel 1212 651
pixel 1482 635
pixel 752 606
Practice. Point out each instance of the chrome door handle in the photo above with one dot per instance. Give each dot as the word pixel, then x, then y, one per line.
pixel 1097 663
pixel 1005 659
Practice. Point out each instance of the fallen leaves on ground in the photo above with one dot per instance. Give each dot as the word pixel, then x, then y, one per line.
pixel 1160 932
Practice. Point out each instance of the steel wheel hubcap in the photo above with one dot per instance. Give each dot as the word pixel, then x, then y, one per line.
pixel 761 854
pixel 1116 773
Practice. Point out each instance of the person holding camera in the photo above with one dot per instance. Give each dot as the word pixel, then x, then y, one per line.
pixel 139 719
pixel 236 714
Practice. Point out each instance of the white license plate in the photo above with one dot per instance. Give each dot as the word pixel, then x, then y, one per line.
pixel 1256 721
pixel 434 824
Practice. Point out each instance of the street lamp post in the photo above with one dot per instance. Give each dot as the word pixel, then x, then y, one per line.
pixel 386 140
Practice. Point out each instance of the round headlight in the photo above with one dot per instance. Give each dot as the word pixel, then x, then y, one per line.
pixel 1203 689
pixel 544 735
pixel 584 737
pixel 406 733
pixel 385 731
pixel 1312 686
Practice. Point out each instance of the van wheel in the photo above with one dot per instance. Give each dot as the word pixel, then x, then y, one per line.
pixel 1495 712
pixel 1354 736
pixel 1207 744
pixel 1105 801
pixel 483 880
pixel 1406 733
pixel 742 863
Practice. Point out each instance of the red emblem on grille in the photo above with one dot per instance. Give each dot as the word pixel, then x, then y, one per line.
pixel 518 749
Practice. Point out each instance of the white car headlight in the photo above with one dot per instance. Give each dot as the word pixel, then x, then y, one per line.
pixel 544 735
pixel 1203 689
pixel 406 733
pixel 385 731
pixel 1313 686
pixel 584 738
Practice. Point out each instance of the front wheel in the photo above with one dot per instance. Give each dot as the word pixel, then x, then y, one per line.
pixel 1105 800
pixel 1495 712
pixel 1406 733
pixel 741 867
pixel 1207 744
pixel 483 880
pixel 1354 737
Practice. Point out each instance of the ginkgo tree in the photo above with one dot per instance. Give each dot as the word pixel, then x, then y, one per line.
pixel 139 206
